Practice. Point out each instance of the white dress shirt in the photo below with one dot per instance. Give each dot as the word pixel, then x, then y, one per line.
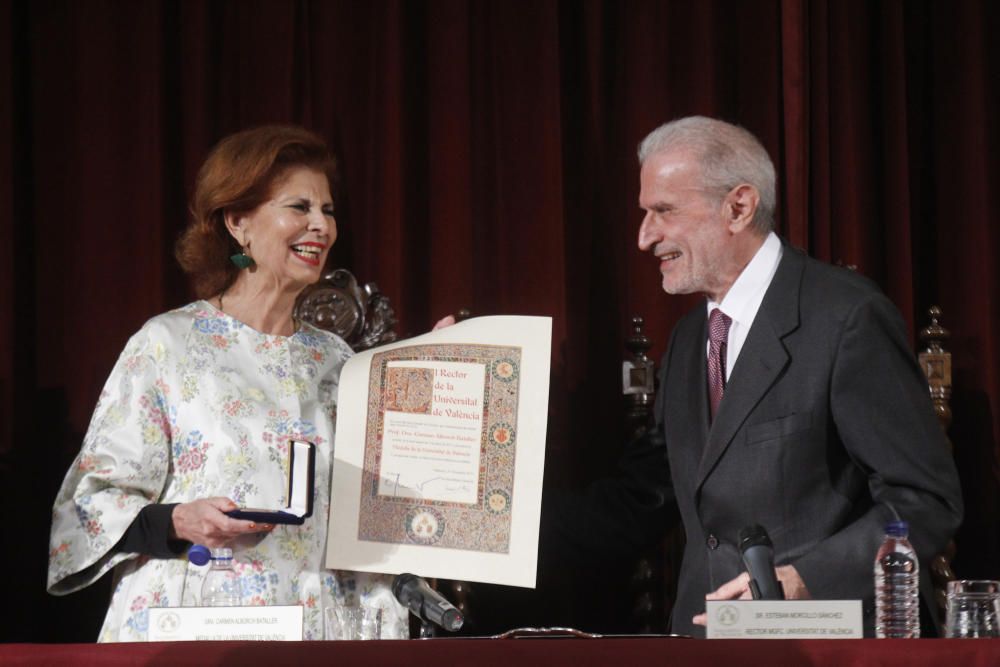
pixel 743 299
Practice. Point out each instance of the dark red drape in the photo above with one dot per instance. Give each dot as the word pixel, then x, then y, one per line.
pixel 487 155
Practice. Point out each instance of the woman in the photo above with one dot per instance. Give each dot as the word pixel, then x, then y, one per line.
pixel 196 416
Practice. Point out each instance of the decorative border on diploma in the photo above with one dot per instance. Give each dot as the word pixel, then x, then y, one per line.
pixel 483 525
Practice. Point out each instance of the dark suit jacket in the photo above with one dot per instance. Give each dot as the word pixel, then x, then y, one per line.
pixel 825 432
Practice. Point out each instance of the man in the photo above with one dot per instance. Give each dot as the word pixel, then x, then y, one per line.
pixel 790 399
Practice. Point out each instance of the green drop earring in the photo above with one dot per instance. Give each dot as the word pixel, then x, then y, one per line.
pixel 241 259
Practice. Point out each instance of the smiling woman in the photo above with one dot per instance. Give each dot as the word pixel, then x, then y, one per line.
pixel 197 415
pixel 286 239
pixel 242 173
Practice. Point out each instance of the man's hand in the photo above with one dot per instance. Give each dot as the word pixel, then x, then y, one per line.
pixel 739 589
pixel 445 321
pixel 203 522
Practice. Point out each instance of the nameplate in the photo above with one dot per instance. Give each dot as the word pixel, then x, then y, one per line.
pixel 272 624
pixel 784 619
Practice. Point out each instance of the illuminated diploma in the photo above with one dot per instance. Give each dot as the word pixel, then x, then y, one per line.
pixel 439 453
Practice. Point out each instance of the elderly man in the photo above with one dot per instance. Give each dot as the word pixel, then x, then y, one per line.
pixel 789 399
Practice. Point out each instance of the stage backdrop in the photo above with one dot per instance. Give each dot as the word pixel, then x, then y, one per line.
pixel 487 154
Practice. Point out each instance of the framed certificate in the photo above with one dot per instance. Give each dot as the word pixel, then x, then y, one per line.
pixel 439 453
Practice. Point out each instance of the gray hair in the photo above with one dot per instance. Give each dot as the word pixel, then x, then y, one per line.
pixel 728 154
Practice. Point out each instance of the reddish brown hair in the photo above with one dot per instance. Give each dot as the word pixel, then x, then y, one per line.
pixel 239 175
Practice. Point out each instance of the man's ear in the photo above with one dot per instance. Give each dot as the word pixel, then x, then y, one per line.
pixel 740 206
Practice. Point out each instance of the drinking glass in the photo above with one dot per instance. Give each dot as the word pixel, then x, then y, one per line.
pixel 364 622
pixel 973 609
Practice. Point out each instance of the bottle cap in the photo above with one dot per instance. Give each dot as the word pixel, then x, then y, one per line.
pixel 199 554
pixel 897 529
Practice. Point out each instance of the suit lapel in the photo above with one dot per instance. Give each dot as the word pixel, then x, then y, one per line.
pixel 761 360
pixel 683 397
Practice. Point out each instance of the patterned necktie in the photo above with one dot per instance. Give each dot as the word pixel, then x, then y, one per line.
pixel 718 334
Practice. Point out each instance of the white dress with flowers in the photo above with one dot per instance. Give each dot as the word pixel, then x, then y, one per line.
pixel 202 405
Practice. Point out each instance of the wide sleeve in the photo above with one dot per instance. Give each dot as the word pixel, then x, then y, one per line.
pixel 883 415
pixel 121 468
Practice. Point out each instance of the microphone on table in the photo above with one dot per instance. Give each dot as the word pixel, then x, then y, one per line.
pixel 758 556
pixel 426 603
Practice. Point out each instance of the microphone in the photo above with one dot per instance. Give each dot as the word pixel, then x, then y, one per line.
pixel 758 556
pixel 426 603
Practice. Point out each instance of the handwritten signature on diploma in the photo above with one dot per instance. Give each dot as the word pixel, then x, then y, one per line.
pixel 450 484
pixel 419 486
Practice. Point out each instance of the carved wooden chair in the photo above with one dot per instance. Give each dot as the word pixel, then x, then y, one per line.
pixel 935 361
pixel 655 575
pixel 363 317
pixel 653 582
pixel 360 315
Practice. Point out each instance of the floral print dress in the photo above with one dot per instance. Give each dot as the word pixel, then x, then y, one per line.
pixel 201 405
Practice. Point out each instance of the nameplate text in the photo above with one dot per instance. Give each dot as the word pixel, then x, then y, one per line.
pixel 784 619
pixel 171 624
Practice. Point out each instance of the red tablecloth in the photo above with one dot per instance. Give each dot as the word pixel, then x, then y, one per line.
pixel 518 653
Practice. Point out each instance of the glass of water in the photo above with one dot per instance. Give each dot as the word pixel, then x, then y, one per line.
pixel 973 609
pixel 364 622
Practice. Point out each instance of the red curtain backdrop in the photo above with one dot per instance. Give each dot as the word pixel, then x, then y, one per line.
pixel 487 154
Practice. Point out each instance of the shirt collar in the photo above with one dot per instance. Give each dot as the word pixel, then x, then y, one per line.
pixel 752 282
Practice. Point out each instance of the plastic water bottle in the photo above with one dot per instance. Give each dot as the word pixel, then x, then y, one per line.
pixel 897 577
pixel 221 587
